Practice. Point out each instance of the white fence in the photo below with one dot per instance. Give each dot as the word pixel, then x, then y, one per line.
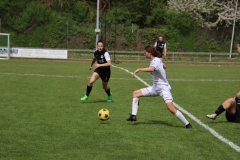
pixel 138 56
pixel 126 56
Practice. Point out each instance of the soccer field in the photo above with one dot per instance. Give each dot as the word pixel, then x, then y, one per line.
pixel 42 117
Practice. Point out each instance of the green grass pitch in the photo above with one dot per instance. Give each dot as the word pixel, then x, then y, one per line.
pixel 42 117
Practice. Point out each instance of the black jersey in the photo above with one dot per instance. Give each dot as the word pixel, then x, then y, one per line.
pixel 101 59
pixel 237 114
pixel 160 45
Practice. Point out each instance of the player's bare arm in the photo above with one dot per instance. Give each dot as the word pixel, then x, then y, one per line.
pixel 149 69
pixel 103 65
pixel 93 61
pixel 165 51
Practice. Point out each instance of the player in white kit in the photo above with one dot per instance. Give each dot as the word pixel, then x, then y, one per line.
pixel 160 86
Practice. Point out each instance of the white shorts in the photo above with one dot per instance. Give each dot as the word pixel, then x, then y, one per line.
pixel 163 91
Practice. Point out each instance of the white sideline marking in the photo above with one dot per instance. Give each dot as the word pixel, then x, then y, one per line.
pixel 42 75
pixel 207 80
pixel 231 144
pixel 131 79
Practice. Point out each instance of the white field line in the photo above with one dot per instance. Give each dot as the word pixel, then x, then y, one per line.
pixel 130 79
pixel 220 137
pixel 42 75
pixel 206 80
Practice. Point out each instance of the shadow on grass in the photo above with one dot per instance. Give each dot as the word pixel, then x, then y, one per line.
pixel 219 122
pixel 226 122
pixel 96 101
pixel 154 122
pixel 104 122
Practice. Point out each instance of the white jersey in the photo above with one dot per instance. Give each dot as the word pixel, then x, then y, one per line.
pixel 159 74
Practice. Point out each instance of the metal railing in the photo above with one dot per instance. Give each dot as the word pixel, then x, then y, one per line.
pixel 138 56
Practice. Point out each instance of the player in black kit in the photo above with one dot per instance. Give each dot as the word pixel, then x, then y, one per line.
pixel 102 70
pixel 161 46
pixel 232 107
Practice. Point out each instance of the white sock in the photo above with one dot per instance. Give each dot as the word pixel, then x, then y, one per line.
pixel 135 106
pixel 181 117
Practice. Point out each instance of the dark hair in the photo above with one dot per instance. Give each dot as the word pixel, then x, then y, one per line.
pixel 100 41
pixel 151 49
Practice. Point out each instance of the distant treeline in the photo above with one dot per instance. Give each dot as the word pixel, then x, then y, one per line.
pixel 125 25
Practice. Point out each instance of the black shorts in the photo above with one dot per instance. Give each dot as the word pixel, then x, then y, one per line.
pixel 104 74
pixel 235 117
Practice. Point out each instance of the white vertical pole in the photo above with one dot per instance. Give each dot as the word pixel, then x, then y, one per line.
pixel 97 30
pixel 234 20
pixel 8 46
pixel 67 34
pixel 0 25
pixel 210 57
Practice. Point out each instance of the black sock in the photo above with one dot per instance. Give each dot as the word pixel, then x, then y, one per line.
pixel 89 89
pixel 108 92
pixel 220 110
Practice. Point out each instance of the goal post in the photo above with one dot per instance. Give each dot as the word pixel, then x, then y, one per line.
pixel 5 46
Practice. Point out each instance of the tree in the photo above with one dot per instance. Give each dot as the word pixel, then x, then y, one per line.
pixel 58 3
pixel 209 13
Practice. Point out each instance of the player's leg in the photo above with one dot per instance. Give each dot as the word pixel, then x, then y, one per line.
pixel 107 90
pixel 105 79
pixel 229 105
pixel 135 100
pixel 167 97
pixel 94 77
pixel 178 114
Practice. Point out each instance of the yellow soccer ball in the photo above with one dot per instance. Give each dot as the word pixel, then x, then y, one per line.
pixel 104 114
